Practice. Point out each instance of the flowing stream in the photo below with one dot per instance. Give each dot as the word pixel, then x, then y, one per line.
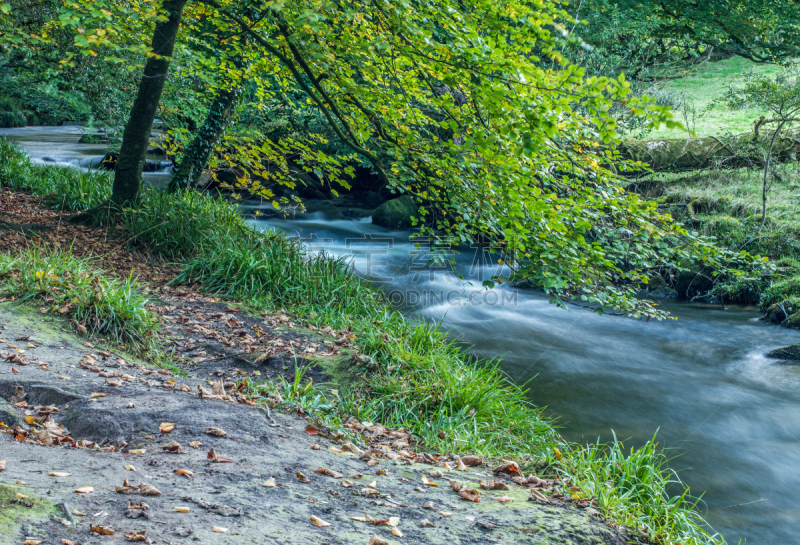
pixel 703 381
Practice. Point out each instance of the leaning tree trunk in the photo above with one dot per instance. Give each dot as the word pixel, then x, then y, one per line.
pixel 136 138
pixel 741 150
pixel 197 154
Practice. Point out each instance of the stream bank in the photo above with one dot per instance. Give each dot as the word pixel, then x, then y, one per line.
pixel 112 437
pixel 603 372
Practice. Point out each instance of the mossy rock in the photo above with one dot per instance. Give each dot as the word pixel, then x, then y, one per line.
pixel 396 213
pixel 791 352
pixel 693 283
pixel 793 322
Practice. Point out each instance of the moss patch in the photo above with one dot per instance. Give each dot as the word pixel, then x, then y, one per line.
pixel 13 514
pixel 396 214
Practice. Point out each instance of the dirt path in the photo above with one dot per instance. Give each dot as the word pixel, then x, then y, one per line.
pixel 119 428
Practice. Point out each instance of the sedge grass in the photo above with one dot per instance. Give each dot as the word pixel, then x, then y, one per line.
pixel 76 288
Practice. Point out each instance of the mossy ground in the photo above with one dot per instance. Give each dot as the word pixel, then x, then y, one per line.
pixel 13 516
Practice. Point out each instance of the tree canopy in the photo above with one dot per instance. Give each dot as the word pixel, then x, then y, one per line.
pixel 469 106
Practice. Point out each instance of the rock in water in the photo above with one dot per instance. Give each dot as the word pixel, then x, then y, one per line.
pixel 791 352
pixel 396 213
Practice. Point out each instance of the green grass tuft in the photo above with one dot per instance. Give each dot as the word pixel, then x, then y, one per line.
pixel 77 289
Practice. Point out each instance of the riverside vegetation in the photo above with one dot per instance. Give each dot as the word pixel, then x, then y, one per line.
pixel 415 379
pixel 513 122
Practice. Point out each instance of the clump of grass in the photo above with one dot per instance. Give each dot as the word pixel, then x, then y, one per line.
pixel 77 289
pixel 68 189
pixel 181 224
pixel 634 489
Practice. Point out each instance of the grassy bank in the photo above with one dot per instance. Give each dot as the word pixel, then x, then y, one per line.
pixel 409 374
pixel 726 203
pixel 698 99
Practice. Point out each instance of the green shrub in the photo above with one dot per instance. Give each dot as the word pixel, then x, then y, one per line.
pixel 11 114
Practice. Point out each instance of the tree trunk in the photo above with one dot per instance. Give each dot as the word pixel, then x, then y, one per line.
pixel 741 150
pixel 136 138
pixel 197 154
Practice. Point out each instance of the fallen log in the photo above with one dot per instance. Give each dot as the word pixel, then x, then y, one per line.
pixel 733 151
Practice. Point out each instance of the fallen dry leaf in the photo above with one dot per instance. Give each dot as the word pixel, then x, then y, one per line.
pixel 469 494
pixel 172 446
pixel 148 490
pixel 472 461
pixel 84 490
pixel 15 370
pixel 82 330
pixel 425 522
pixel 311 430
pixel 181 509
pixel 219 529
pixel 184 472
pixel 2 465
pixel 375 540
pixel 396 532
pixel 58 474
pixel 126 488
pixel 31 542
pixel 302 478
pixel 493 485
pixel 65 541
pixel 102 530
pixel 508 467
pixel 214 457
pixel 538 496
pixel 329 472
pixel 23 496
pixel 347 484
pixel 270 483
pixel 426 481
pixel 504 499
pixel 166 427
pixel 195 444
pixel 219 432
pixel 136 535
pixel 318 521
pixel 129 467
